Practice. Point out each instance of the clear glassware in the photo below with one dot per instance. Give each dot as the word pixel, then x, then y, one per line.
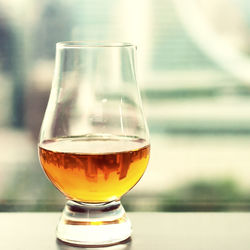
pixel 94 142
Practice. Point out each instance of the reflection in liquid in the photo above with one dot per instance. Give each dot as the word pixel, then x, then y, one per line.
pixel 125 245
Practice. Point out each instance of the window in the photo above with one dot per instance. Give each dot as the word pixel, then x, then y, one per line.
pixel 193 61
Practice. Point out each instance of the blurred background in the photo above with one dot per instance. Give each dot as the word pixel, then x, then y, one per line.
pixel 194 76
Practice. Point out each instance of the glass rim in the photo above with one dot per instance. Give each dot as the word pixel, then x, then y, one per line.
pixel 94 44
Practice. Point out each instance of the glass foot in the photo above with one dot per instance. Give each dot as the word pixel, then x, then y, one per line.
pixel 93 224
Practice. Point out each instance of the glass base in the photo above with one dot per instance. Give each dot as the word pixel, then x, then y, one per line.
pixel 93 224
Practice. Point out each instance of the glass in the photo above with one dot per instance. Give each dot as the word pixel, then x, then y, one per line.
pixel 94 140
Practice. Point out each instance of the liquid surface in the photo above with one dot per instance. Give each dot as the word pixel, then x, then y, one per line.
pixel 94 169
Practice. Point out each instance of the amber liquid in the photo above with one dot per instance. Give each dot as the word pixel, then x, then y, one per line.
pixel 94 169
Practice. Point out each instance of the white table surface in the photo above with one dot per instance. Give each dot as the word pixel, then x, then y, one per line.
pixel 151 231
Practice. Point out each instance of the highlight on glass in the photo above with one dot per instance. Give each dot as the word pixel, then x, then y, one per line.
pixel 94 141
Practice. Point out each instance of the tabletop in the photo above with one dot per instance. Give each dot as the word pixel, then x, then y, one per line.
pixel 201 231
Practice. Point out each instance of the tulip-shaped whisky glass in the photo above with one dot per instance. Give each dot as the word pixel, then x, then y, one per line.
pixel 94 141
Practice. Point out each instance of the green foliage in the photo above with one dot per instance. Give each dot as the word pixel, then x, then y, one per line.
pixel 208 190
pixel 206 195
